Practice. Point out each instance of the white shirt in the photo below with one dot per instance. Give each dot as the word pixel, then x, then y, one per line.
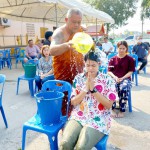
pixel 106 46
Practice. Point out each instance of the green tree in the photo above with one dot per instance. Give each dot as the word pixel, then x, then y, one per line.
pixel 119 10
pixel 145 12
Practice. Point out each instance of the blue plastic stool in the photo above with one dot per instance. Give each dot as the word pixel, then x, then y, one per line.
pixel 102 144
pixel 30 82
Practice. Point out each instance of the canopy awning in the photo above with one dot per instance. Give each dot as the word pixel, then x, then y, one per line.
pixel 51 11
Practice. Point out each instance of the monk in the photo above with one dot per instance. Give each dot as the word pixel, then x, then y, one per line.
pixel 67 62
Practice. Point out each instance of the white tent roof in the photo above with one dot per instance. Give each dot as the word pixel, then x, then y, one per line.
pixel 50 11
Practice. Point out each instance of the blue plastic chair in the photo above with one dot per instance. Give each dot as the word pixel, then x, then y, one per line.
pixel 111 55
pixel 51 131
pixel 135 74
pixel 102 144
pixel 115 48
pixel 130 48
pixel 1 59
pixel 30 81
pixel 2 82
pixel 103 69
pixel 7 58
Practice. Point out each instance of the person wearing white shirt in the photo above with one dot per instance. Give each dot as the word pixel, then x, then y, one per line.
pixel 107 46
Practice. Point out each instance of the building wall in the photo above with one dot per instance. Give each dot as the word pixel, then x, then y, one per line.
pixel 8 35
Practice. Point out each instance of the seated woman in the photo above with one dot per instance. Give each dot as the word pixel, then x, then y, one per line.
pixel 121 68
pixel 45 67
pixel 92 98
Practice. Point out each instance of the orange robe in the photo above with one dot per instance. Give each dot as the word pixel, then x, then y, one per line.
pixel 67 65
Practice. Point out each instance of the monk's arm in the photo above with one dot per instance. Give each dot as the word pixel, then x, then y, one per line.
pixel 58 46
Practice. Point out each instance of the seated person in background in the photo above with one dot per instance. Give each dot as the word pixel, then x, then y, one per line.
pixel 32 51
pixel 39 43
pixel 107 47
pixel 142 51
pixel 92 98
pixel 121 68
pixel 45 67
pixel 48 36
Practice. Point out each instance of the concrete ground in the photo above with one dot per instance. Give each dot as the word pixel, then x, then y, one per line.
pixel 129 133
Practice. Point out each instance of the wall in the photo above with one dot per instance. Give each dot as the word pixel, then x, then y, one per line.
pixel 8 35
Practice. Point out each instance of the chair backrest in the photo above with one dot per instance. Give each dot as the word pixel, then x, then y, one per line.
pixel 130 48
pixel 22 53
pixel 111 55
pixel 7 54
pixel 2 54
pixel 135 57
pixel 58 85
pixel 2 82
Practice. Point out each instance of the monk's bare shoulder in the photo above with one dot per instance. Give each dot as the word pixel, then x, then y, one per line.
pixel 58 37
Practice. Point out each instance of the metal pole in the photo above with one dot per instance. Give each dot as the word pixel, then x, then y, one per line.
pixel 142 26
pixel 96 30
pixel 56 15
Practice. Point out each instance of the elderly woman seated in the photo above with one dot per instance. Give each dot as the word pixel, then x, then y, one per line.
pixel 92 98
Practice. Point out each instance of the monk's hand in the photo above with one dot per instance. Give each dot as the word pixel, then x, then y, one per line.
pixel 71 45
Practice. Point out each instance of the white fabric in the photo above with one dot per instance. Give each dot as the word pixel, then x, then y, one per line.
pixel 103 57
pixel 50 11
pixel 106 47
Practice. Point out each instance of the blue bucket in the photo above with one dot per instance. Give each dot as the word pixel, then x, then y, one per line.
pixel 49 106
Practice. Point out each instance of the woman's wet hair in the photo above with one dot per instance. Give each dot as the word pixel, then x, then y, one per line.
pixel 92 55
pixel 123 43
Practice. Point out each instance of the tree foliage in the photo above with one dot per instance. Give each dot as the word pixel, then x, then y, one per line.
pixel 145 13
pixel 119 10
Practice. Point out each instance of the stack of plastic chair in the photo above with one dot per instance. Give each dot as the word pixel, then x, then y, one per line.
pixel 19 55
pixel 2 82
pixel 135 73
pixel 30 78
pixel 102 144
pixel 50 130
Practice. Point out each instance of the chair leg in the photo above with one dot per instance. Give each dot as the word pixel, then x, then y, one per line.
pixel 24 137
pixel 130 101
pixel 53 142
pixel 31 88
pixel 17 86
pixel 136 78
pixel 133 76
pixel 3 115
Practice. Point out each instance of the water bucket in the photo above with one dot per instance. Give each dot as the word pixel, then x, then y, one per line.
pixel 30 70
pixel 49 106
